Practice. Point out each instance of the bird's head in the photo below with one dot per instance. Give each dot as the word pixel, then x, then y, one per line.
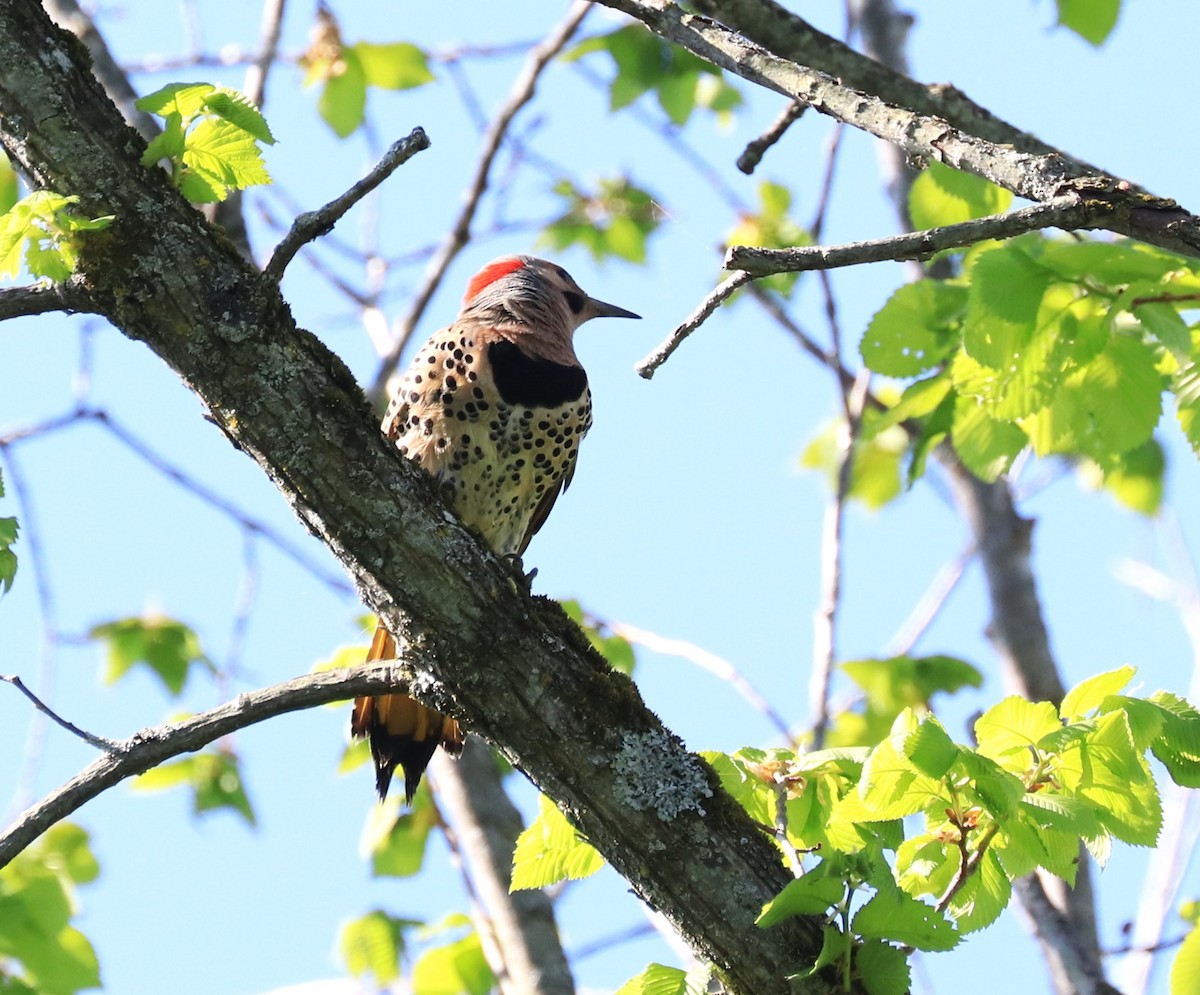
pixel 535 293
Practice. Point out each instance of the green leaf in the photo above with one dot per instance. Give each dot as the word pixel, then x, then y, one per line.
pixel 745 785
pixel 238 110
pixel 168 647
pixel 395 841
pixel 551 850
pixel 944 196
pixel 930 749
pixel 1088 695
pixel 986 893
pixel 8 184
pixel 986 445
pixel 372 945
pixel 658 979
pixel 9 529
pixel 893 914
pixel 398 66
pixel 1092 20
pixel 617 650
pixel 1003 300
pixel 343 100
pixel 458 968
pixel 1136 478
pixel 1185 971
pixel 185 99
pixel 891 787
pixel 214 777
pixel 1178 748
pixel 926 864
pixel 809 895
pixel 221 156
pixel 1009 732
pixel 1103 768
pixel 883 968
pixel 916 329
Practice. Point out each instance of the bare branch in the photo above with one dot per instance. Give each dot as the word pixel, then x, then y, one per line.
pixel 313 224
pixel 152 746
pixel 255 83
pixel 1065 212
pixel 705 660
pixel 714 300
pixel 486 824
pixel 540 56
pixel 17 302
pixel 1036 177
pixel 752 155
pixel 99 742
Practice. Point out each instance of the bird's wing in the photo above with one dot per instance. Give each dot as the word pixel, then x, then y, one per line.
pixel 542 511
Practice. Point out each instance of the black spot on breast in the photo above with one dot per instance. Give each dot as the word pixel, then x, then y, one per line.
pixel 530 382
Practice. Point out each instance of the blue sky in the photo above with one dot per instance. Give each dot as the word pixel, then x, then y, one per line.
pixel 688 516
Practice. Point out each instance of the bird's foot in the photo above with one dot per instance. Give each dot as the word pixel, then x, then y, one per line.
pixel 524 580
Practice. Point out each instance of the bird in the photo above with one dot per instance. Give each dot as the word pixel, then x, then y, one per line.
pixel 494 407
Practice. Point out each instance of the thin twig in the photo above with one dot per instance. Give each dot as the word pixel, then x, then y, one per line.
pixel 460 233
pixel 1062 212
pixel 271 26
pixel 647 367
pixel 705 660
pixel 152 746
pixel 748 161
pixel 930 603
pixel 99 742
pixel 316 223
pixel 781 826
pixel 825 617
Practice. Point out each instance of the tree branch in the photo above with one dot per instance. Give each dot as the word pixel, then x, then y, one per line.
pixel 152 746
pixel 99 742
pixel 16 302
pixel 1064 212
pixel 313 224
pixel 487 825
pixel 1037 177
pixel 515 670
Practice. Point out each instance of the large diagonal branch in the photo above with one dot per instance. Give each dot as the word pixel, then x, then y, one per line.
pixel 1036 176
pixel 514 669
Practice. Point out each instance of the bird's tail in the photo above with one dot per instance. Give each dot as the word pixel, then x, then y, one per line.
pixel 401 730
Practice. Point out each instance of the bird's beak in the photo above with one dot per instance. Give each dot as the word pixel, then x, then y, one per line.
pixel 601 310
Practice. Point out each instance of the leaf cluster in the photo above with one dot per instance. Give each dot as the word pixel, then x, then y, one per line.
pixel 210 136
pixel 42 231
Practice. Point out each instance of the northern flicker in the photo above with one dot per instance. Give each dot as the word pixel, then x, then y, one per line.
pixel 494 406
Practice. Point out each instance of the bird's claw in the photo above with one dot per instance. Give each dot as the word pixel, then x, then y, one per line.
pixel 525 580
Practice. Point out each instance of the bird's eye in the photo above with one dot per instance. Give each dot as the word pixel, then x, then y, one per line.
pixel 562 274
pixel 574 301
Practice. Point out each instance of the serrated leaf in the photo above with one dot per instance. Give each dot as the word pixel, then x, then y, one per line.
pixel 551 850
pixel 893 914
pixel 372 945
pixel 941 195
pixel 926 864
pixel 1178 748
pixel 809 895
pixel 986 445
pixel 238 110
pixel 1009 732
pixel 883 969
pixel 1092 20
pixel 1003 300
pixel 1088 695
pixel 184 99
pixel 891 787
pixel 396 66
pixel 930 749
pixel 986 893
pixel 658 979
pixel 916 329
pixel 225 155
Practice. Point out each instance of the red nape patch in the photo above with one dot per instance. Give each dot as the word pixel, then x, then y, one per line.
pixel 490 274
